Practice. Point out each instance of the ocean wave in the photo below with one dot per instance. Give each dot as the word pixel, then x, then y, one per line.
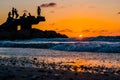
pixel 89 47
pixel 65 45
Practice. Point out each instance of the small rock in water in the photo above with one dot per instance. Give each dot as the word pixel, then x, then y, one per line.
pixel 35 77
pixel 35 58
pixel 76 74
pixel 43 77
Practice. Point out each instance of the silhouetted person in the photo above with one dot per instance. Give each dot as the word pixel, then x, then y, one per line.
pixel 29 14
pixel 9 15
pixel 38 10
pixel 13 12
pixel 24 15
pixel 16 13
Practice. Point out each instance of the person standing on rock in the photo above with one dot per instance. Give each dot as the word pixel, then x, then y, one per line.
pixel 29 14
pixel 38 10
pixel 24 15
pixel 13 12
pixel 9 15
pixel 16 13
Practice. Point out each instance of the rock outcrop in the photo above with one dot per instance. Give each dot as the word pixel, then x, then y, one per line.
pixel 9 30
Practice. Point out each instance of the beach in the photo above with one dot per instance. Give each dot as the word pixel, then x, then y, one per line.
pixel 45 64
pixel 60 40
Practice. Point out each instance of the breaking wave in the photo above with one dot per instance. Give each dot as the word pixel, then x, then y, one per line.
pixel 64 44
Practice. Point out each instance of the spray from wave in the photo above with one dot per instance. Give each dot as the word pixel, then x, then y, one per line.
pixel 66 44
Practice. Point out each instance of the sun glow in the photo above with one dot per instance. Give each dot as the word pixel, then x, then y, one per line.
pixel 80 35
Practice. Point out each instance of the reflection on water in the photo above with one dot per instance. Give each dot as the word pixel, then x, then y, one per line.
pixel 69 64
pixel 62 60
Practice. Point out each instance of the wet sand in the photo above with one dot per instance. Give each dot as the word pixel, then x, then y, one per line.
pixel 58 65
pixel 24 73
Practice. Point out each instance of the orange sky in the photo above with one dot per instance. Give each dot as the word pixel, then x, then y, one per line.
pixel 71 17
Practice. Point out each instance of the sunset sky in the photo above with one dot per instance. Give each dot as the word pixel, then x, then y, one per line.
pixel 71 17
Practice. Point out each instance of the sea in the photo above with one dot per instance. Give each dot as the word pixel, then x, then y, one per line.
pixel 65 44
pixel 95 52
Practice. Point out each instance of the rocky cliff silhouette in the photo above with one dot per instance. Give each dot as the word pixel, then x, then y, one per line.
pixel 9 29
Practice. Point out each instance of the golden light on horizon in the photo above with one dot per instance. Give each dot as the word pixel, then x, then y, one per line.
pixel 80 35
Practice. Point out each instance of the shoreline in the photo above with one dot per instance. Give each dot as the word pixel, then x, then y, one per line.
pixel 44 64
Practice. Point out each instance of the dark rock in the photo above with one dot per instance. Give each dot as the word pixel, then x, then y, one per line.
pixel 36 33
pixel 9 29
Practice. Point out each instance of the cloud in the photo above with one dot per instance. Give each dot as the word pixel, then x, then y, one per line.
pixel 85 31
pixel 52 11
pixel 65 30
pixel 103 31
pixel 52 4
pixel 100 31
pixel 94 31
pixel 118 13
pixel 51 24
